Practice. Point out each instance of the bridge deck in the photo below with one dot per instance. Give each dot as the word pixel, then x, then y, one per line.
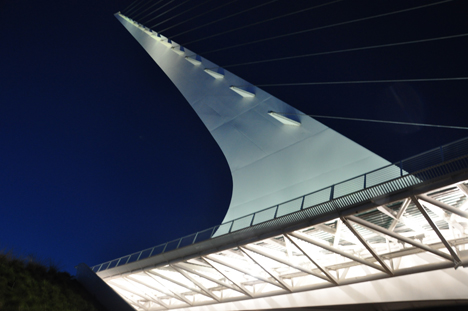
pixel 407 225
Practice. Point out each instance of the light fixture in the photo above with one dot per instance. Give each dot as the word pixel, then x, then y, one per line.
pixel 283 119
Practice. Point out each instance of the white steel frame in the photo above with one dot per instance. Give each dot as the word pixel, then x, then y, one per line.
pixel 419 233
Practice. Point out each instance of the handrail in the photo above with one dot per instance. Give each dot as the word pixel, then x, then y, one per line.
pixel 413 170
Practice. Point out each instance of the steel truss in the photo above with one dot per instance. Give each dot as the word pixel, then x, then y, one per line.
pixel 419 233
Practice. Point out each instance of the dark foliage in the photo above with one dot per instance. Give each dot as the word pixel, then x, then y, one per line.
pixel 28 284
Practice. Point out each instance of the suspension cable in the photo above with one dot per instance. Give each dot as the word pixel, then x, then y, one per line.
pixel 142 5
pixel 365 81
pixel 130 10
pixel 226 17
pixel 328 26
pixel 347 50
pixel 196 6
pixel 204 13
pixel 266 20
pixel 157 9
pixel 375 121
pixel 175 7
pixel 131 5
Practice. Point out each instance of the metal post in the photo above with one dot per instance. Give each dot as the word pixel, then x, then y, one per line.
pixel 139 256
pixel 195 238
pixel 401 168
pixel 230 228
pixel 332 190
pixel 302 203
pixel 212 232
pixel 365 177
pixel 434 227
pixel 276 212
pixel 253 217
pixel 178 244
pixel 152 250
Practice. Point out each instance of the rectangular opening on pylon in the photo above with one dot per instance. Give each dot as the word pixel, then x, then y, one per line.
pixel 194 61
pixel 283 119
pixel 214 74
pixel 242 92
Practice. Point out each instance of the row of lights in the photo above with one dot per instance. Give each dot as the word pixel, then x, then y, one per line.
pixel 214 73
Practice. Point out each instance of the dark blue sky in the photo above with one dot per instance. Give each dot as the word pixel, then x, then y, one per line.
pixel 100 156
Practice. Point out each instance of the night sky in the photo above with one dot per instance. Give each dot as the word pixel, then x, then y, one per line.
pixel 101 156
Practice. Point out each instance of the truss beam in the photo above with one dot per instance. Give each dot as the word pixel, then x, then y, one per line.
pixel 307 259
pixel 160 289
pixel 455 257
pixel 306 238
pixel 398 237
pixel 330 277
pixel 191 279
pixel 400 213
pixel 240 269
pixel 238 284
pixel 190 288
pixel 443 206
pixel 212 279
pixel 368 247
pixel 274 275
pixel 257 249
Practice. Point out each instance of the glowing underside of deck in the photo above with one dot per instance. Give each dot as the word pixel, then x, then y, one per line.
pixel 384 243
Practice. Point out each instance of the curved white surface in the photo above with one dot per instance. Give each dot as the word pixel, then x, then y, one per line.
pixel 270 162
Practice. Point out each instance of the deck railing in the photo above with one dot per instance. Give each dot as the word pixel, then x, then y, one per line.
pixel 387 179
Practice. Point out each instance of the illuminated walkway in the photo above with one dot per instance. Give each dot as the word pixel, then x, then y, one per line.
pixel 420 233
pixel 382 249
